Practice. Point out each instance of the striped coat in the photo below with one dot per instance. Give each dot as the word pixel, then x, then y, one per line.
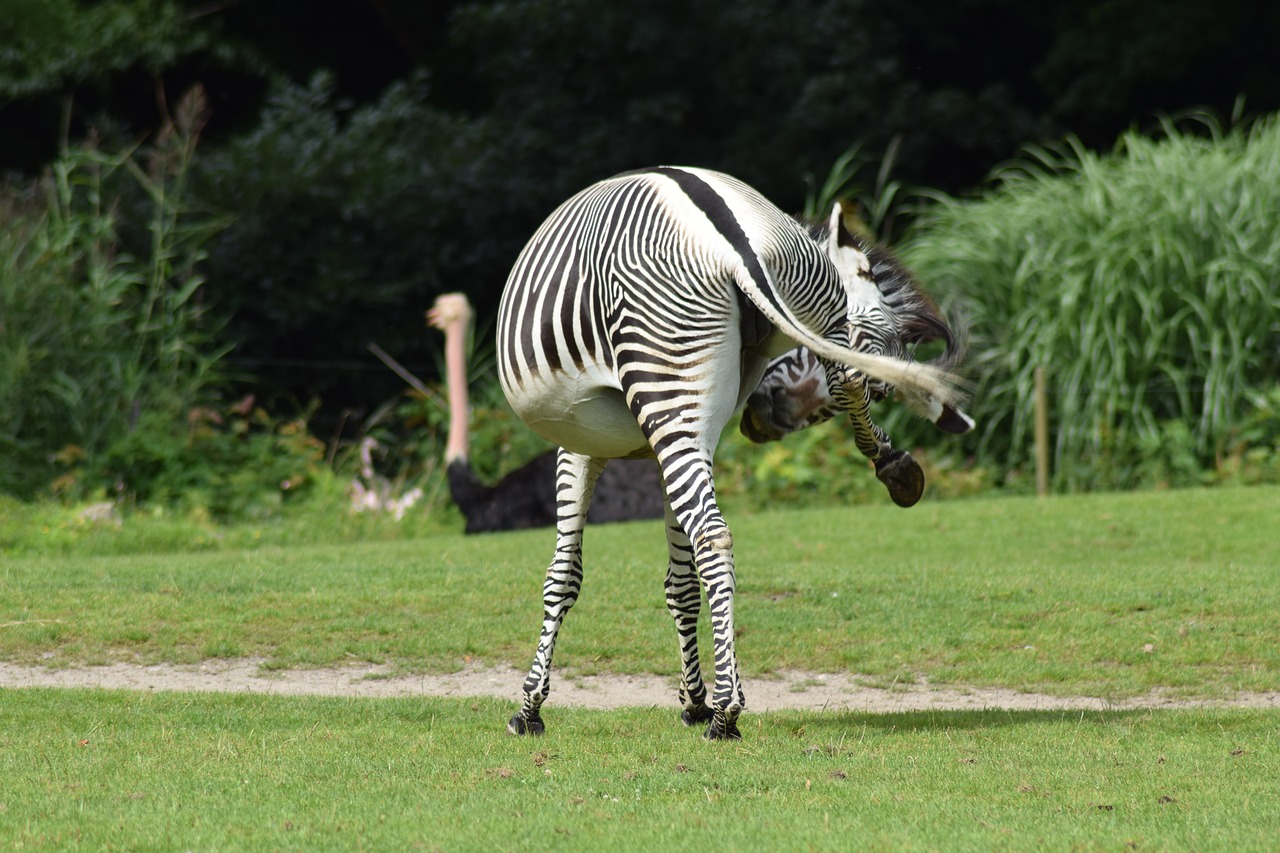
pixel 637 321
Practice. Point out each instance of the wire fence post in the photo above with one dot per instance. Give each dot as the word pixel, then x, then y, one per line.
pixel 1042 435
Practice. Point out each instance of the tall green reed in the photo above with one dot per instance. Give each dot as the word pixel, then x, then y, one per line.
pixel 94 333
pixel 875 205
pixel 1146 281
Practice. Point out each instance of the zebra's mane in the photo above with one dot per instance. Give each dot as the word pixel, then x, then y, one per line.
pixel 918 316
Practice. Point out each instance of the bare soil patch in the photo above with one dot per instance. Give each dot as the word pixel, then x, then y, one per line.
pixel 786 690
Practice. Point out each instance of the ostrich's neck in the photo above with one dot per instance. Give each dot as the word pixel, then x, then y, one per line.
pixel 455 360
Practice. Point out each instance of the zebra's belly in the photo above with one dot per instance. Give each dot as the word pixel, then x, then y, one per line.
pixel 589 419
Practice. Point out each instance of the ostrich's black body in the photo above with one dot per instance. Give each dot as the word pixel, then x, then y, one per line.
pixel 628 489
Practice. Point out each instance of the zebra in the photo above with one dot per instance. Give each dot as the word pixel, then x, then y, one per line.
pixel 793 395
pixel 635 322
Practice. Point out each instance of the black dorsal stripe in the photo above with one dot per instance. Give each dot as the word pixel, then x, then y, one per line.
pixel 722 219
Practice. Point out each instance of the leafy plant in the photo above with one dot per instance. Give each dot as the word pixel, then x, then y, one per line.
pixel 1253 453
pixel 236 462
pixel 342 224
pixel 50 44
pixel 875 207
pixel 1143 280
pixel 94 337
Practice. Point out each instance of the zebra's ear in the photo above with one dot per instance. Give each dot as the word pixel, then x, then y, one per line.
pixel 844 249
pixel 841 236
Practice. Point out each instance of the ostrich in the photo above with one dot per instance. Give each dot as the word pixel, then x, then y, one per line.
pixel 628 488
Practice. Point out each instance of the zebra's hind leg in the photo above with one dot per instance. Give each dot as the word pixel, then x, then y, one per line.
pixel 713 551
pixel 576 477
pixel 693 502
pixel 684 600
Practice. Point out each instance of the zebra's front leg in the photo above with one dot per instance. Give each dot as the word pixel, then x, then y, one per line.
pixel 684 601
pixel 575 481
pixel 896 469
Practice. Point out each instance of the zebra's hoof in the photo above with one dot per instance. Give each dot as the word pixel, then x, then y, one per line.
pixel 722 729
pixel 695 715
pixel 902 476
pixel 519 725
pixel 751 427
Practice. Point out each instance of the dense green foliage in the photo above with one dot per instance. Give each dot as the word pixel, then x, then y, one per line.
pixel 445 132
pixel 111 372
pixel 1144 281
pixel 70 69
pixel 350 174
pixel 95 338
pixel 97 40
pixel 345 224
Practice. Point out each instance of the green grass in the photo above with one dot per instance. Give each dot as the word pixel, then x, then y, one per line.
pixel 1104 594
pixel 100 769
pixel 1110 595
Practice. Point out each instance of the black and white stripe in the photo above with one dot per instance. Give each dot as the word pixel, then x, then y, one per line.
pixel 636 321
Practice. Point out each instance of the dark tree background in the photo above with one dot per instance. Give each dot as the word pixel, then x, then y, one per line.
pixel 374 153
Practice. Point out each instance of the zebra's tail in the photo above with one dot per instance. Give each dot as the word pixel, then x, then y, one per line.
pixel 915 378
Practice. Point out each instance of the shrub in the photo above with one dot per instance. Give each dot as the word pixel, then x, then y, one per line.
pixel 234 462
pixel 92 337
pixel 345 224
pixel 1145 281
pixel 1253 452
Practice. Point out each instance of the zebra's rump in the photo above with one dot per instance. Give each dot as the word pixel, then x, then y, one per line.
pixel 615 292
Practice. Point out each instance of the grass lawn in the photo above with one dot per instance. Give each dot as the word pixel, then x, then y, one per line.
pixel 103 769
pixel 1111 595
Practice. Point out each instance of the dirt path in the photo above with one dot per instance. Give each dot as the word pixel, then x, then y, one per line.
pixel 793 690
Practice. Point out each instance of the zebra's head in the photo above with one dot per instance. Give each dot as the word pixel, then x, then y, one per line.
pixel 889 314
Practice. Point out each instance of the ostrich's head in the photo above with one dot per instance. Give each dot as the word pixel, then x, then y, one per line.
pixel 451 310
